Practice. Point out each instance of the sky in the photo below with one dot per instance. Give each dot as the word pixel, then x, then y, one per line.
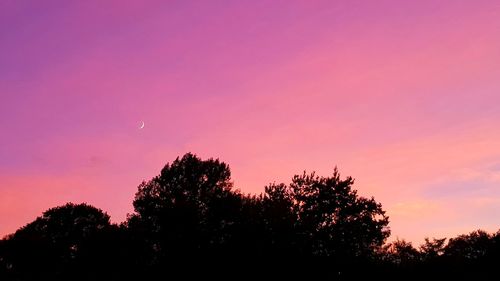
pixel 402 95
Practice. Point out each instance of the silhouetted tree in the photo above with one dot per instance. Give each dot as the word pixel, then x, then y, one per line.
pixel 465 257
pixel 333 220
pixel 189 209
pixel 469 247
pixel 51 247
pixel 401 252
pixel 432 249
pixel 192 210
pixel 280 220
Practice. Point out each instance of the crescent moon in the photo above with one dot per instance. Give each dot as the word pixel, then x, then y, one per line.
pixel 142 125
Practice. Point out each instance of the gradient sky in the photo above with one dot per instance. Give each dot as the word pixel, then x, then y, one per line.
pixel 402 95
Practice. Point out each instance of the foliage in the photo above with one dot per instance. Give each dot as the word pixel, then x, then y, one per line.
pixel 190 214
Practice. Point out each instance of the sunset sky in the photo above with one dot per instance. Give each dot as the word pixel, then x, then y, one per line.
pixel 402 95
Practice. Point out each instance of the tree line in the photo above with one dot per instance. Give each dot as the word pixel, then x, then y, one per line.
pixel 191 220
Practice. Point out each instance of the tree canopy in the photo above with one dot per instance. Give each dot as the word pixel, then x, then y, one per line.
pixel 191 207
pixel 191 211
pixel 56 242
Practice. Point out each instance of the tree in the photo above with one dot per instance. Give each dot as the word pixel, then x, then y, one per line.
pixel 469 247
pixel 432 249
pixel 54 244
pixel 190 208
pixel 279 218
pixel 401 252
pixel 333 220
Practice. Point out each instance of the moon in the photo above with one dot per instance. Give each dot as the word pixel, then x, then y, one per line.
pixel 142 125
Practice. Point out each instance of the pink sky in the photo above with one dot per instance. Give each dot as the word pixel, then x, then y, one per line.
pixel 402 95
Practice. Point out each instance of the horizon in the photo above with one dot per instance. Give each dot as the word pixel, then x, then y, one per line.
pixel 403 97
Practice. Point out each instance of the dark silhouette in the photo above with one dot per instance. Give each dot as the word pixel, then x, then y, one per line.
pixel 431 250
pixel 401 252
pixel 190 220
pixel 190 209
pixel 60 241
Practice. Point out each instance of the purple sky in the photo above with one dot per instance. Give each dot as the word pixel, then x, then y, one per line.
pixel 402 95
